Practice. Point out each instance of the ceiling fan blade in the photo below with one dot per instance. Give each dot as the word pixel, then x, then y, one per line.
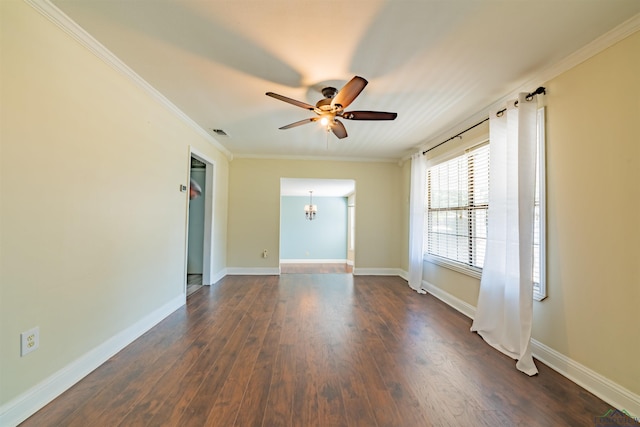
pixel 291 101
pixel 299 123
pixel 338 129
pixel 349 92
pixel 368 115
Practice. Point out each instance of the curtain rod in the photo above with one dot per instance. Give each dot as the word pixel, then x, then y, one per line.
pixel 529 97
pixel 455 136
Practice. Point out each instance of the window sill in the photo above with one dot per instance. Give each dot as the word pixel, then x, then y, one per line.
pixel 455 266
pixel 472 272
pixel 539 296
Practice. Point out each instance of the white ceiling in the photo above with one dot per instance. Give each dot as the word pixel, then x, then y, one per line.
pixel 438 64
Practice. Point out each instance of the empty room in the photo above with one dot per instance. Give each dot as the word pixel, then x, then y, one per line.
pixel 297 213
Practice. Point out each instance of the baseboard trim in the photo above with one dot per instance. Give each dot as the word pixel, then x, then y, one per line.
pixel 462 306
pixel 270 271
pixel 28 403
pixel 253 271
pixel 376 271
pixel 218 276
pixel 607 390
pixel 403 274
pixel 313 261
pixel 612 393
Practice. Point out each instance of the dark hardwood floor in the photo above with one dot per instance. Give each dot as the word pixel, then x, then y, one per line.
pixel 317 350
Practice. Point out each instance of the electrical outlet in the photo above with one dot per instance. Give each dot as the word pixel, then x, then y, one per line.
pixel 29 341
pixel 264 253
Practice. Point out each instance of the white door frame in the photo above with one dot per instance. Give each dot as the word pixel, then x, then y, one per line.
pixel 306 187
pixel 209 209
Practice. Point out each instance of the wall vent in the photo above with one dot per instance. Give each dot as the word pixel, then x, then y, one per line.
pixel 219 132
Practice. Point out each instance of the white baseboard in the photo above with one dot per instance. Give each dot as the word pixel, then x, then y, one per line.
pixel 607 390
pixel 612 393
pixel 376 271
pixel 253 271
pixel 270 271
pixel 313 261
pixel 28 403
pixel 404 274
pixel 463 307
pixel 218 276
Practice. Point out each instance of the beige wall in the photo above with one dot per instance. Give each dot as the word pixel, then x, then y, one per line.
pixel 593 200
pixel 405 199
pixel 93 227
pixel 93 222
pixel 593 205
pixel 254 209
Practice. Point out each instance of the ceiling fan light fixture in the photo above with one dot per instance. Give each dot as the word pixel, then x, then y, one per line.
pixel 332 106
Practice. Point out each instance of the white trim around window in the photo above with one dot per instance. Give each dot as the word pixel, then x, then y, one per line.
pixel 539 287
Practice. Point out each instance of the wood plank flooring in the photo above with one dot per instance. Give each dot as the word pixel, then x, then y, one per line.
pixel 316 350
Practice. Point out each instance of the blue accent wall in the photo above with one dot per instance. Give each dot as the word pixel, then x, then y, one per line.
pixel 323 238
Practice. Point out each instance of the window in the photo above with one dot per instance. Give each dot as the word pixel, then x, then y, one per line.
pixel 539 226
pixel 457 200
pixel 457 206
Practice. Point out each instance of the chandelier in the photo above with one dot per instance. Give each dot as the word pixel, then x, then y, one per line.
pixel 310 210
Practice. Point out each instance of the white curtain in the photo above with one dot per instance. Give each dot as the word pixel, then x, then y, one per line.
pixel 416 221
pixel 505 304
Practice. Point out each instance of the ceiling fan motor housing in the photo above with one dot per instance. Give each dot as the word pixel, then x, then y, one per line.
pixel 329 92
pixel 325 103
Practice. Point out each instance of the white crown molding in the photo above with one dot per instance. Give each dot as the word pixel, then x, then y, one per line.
pixel 607 390
pixel 591 49
pixel 55 15
pixel 318 158
pixel 586 52
pixel 598 45
pixel 28 403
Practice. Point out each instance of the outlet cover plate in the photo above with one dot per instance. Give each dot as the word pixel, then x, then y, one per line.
pixel 29 341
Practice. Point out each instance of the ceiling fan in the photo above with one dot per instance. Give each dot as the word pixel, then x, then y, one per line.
pixel 332 106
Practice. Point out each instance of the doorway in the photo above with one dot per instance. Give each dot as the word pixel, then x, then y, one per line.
pixel 199 224
pixel 326 243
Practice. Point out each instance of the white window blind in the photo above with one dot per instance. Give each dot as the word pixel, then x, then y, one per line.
pixel 457 200
pixel 539 227
pixel 457 206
